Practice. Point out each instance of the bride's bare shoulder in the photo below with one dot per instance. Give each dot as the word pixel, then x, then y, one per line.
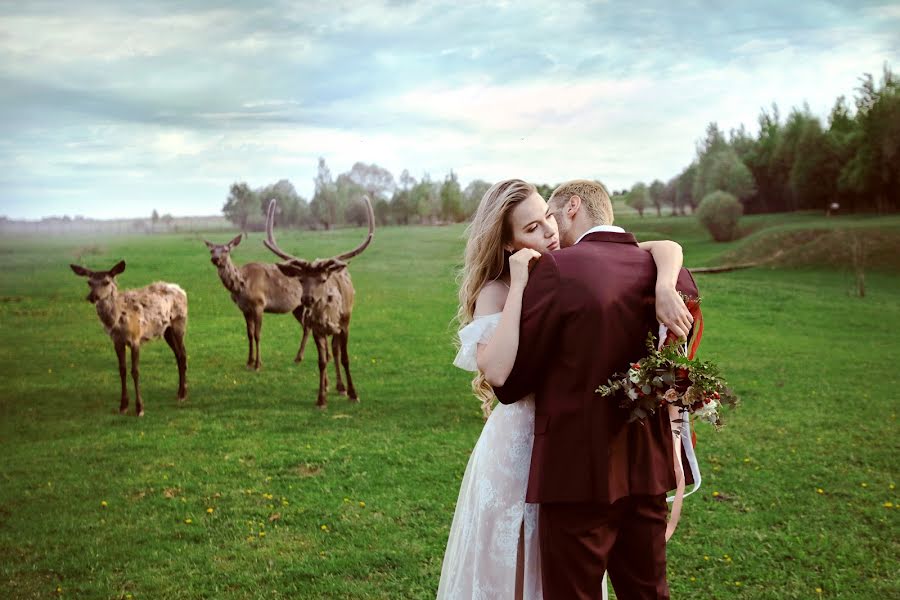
pixel 491 299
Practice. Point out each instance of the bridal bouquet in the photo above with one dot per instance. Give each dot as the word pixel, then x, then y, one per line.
pixel 666 376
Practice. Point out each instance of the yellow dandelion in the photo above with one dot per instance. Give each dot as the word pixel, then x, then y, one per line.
pixel 284 503
pixel 362 504
pixel 693 579
pixel 103 504
pixel 818 590
pixel 864 484
pixel 705 558
pixel 891 486
pixel 262 534
pixel 346 500
pixel 188 521
pixel 209 510
pixel 58 590
pixel 715 494
pixel 746 460
pixel 324 527
pixel 888 505
pixel 820 491
pixel 737 583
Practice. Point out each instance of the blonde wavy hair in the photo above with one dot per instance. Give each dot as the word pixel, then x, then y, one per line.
pixel 486 260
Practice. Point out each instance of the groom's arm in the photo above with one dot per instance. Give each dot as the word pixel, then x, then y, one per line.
pixel 537 332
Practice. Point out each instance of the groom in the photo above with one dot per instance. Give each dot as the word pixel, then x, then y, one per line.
pixel 600 481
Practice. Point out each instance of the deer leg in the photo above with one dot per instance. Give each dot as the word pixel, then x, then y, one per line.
pixel 322 348
pixel 336 351
pixel 176 343
pixel 256 331
pixel 298 314
pixel 123 375
pixel 248 319
pixel 136 376
pixel 182 367
pixel 345 360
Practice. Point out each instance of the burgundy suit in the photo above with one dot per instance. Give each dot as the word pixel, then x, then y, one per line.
pixel 601 482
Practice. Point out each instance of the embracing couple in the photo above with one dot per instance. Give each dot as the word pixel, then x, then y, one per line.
pixel 560 489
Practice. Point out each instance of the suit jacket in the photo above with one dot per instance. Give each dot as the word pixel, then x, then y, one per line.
pixel 586 314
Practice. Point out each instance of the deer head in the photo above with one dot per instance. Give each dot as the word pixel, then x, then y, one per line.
pixel 102 283
pixel 314 276
pixel 219 252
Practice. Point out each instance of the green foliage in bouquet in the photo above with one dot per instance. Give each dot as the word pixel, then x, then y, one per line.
pixel 667 376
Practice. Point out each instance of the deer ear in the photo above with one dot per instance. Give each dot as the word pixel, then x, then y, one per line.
pixel 209 245
pixel 81 271
pixel 335 266
pixel 120 266
pixel 236 240
pixel 289 269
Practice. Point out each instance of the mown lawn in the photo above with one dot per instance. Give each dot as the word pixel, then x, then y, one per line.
pixel 248 491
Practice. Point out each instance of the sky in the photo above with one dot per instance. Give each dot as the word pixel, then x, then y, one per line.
pixel 114 109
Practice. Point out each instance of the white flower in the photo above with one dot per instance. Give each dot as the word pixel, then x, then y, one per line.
pixel 634 376
pixel 708 412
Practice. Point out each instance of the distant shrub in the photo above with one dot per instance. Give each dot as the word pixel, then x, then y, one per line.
pixel 720 212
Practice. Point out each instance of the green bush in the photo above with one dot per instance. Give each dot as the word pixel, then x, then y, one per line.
pixel 720 212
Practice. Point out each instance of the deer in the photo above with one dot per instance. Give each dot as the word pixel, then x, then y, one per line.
pixel 258 288
pixel 328 299
pixel 137 316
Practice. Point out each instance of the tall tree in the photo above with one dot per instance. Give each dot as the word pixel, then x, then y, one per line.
pixel 451 199
pixel 240 205
pixel 376 181
pixel 324 205
pixel 473 194
pixel 656 193
pixel 873 173
pixel 638 198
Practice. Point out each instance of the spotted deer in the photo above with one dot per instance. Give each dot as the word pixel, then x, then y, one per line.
pixel 137 316
pixel 328 300
pixel 258 288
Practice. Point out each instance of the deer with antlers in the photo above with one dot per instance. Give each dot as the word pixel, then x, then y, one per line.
pixel 137 316
pixel 258 288
pixel 328 299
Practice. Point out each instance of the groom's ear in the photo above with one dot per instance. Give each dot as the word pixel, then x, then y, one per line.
pixel 574 205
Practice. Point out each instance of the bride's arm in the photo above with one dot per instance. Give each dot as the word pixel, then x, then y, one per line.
pixel 670 308
pixel 496 358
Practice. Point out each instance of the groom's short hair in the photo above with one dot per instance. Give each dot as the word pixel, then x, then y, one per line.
pixel 594 198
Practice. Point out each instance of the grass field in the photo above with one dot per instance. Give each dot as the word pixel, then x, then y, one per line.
pixel 248 491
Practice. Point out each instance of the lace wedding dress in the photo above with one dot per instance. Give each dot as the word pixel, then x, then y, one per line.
pixel 483 548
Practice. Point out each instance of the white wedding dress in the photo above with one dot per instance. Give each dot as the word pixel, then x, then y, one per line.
pixel 483 548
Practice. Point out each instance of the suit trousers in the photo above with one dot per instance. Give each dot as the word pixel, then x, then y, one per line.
pixel 580 541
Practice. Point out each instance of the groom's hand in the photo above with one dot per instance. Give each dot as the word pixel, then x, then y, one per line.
pixel 672 312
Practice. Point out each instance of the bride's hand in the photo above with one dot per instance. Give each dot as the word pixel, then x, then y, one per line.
pixel 672 312
pixel 520 264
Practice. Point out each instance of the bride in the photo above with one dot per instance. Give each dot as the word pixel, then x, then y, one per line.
pixel 492 552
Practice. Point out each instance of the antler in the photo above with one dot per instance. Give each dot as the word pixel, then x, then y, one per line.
pixel 370 214
pixel 269 242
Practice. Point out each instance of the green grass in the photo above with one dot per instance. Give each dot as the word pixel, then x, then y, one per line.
pixel 816 368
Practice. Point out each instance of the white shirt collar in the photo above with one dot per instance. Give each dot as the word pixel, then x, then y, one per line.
pixel 607 228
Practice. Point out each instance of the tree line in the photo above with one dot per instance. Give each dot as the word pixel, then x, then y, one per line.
pixel 336 201
pixel 796 163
